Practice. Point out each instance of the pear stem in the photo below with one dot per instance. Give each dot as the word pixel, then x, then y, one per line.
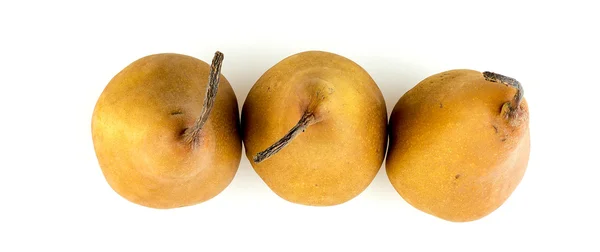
pixel 307 119
pixel 515 104
pixel 192 135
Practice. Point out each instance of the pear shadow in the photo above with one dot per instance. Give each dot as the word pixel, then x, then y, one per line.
pixel 242 68
pixel 394 77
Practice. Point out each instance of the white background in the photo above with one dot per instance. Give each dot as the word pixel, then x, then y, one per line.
pixel 56 57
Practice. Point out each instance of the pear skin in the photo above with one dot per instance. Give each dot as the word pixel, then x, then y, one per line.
pixel 164 138
pixel 315 128
pixel 459 143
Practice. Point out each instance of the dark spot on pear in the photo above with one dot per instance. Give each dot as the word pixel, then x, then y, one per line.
pixel 182 132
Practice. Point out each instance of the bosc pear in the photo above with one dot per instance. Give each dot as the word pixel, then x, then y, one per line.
pixel 314 128
pixel 164 136
pixel 459 143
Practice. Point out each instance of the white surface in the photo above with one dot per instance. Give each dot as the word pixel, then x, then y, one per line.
pixel 56 57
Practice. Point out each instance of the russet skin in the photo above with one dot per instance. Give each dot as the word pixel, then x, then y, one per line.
pixel 146 136
pixel 332 118
pixel 458 144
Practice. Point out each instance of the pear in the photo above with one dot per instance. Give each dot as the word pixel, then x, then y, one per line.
pixel 163 136
pixel 459 143
pixel 314 128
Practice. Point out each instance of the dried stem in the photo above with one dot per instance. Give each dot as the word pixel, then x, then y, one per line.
pixel 192 135
pixel 307 119
pixel 516 102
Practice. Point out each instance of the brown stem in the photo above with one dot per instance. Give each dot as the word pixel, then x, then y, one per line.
pixel 192 135
pixel 516 102
pixel 307 119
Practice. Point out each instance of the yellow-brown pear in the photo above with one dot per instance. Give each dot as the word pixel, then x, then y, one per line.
pixel 315 128
pixel 163 136
pixel 459 143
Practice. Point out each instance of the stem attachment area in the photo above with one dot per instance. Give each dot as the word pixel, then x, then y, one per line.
pixel 515 104
pixel 192 135
pixel 307 119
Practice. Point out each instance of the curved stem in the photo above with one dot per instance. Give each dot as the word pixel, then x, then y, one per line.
pixel 192 135
pixel 307 119
pixel 516 102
